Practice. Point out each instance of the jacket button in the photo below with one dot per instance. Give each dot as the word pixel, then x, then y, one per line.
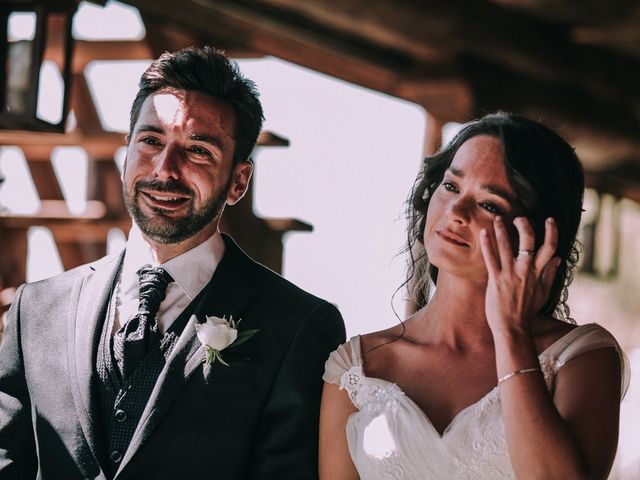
pixel 120 416
pixel 116 456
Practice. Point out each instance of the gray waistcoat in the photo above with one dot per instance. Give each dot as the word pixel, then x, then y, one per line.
pixel 122 402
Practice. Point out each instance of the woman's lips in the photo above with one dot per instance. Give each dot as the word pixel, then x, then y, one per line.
pixel 452 238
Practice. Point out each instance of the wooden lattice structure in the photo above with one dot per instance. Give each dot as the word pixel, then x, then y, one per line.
pixel 83 238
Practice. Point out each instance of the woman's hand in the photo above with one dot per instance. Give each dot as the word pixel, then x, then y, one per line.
pixel 519 286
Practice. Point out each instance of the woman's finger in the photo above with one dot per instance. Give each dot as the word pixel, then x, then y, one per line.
pixel 503 244
pixel 549 274
pixel 488 253
pixel 548 248
pixel 526 241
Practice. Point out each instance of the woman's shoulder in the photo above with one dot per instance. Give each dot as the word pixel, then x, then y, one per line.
pixel 548 330
pixel 556 338
pixel 572 341
pixel 342 359
pixel 374 340
pixel 354 353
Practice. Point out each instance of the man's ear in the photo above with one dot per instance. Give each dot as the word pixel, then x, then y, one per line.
pixel 124 164
pixel 240 177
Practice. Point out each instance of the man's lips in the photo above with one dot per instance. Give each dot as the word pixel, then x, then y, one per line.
pixel 165 200
pixel 451 237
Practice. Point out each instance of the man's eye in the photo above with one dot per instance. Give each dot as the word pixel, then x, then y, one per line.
pixel 449 186
pixel 200 151
pixel 491 208
pixel 150 140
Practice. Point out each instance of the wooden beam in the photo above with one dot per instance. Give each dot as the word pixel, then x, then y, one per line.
pixel 45 180
pixel 573 11
pixel 86 51
pixel 322 50
pixel 13 254
pixel 605 129
pixel 104 187
pixel 346 40
pixel 83 106
pixel 99 146
pixel 270 139
pixel 284 225
pixel 487 31
pixel 67 229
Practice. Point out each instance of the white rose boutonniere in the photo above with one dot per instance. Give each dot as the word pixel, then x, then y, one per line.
pixel 217 334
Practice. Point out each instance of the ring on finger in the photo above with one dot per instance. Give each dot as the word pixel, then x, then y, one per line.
pixel 529 253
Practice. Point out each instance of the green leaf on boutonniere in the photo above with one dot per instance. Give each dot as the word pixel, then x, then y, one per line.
pixel 243 336
pixel 212 356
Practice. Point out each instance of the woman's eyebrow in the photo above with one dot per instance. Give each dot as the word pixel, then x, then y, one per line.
pixel 489 187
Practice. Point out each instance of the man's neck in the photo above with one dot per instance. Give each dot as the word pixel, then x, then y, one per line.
pixel 163 252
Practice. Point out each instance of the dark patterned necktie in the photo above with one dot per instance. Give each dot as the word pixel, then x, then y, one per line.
pixel 136 337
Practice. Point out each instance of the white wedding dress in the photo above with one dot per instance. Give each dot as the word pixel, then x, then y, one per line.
pixel 389 436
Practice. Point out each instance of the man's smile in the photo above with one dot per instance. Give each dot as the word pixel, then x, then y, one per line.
pixel 164 200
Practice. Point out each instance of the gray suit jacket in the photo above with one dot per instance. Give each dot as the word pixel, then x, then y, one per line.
pixel 255 419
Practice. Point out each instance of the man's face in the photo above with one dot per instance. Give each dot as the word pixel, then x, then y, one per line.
pixel 178 173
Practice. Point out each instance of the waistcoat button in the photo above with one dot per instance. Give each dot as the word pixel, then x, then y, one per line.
pixel 120 416
pixel 116 456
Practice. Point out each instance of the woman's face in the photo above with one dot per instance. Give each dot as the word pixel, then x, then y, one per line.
pixel 474 190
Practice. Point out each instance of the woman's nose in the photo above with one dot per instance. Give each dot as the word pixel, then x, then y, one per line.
pixel 459 210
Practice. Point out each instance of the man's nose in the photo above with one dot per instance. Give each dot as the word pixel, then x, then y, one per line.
pixel 167 163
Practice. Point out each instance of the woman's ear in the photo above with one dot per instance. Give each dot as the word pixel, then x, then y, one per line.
pixel 240 177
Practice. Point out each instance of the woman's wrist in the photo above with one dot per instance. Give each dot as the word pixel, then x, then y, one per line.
pixel 515 350
pixel 511 332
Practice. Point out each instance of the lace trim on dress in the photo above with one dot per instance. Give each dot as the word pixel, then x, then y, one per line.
pixel 370 395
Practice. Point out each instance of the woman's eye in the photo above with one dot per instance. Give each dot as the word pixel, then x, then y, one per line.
pixel 491 208
pixel 449 186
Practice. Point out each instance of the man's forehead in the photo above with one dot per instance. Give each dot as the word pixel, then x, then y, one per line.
pixel 197 110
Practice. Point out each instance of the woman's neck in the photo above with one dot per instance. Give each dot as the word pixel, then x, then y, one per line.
pixel 456 315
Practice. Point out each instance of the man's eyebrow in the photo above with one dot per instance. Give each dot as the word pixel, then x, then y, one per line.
pixel 211 140
pixel 493 189
pixel 214 141
pixel 149 128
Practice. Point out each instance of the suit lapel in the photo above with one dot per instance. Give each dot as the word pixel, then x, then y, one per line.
pixel 228 293
pixel 89 299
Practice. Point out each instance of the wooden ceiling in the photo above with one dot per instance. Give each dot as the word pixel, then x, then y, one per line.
pixel 573 64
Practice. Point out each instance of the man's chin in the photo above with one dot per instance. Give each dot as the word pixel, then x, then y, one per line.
pixel 164 231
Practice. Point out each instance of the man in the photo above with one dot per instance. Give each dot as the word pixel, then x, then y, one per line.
pixel 101 370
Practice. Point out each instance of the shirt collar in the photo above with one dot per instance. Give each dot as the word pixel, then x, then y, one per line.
pixel 191 270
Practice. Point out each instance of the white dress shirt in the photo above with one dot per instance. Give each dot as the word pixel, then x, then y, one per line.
pixel 191 272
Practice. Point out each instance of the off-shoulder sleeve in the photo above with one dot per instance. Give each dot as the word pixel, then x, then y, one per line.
pixel 340 360
pixel 585 339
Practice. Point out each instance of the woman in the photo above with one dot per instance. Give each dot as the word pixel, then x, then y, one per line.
pixel 490 379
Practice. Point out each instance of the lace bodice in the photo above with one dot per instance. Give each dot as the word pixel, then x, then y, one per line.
pixel 389 437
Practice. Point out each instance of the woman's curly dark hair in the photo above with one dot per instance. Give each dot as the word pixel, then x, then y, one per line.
pixel 547 177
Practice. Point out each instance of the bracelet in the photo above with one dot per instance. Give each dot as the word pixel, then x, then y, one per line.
pixel 517 372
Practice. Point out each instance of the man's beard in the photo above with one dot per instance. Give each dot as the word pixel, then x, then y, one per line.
pixel 168 230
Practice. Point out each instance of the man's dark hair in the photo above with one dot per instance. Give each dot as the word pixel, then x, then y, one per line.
pixel 206 70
